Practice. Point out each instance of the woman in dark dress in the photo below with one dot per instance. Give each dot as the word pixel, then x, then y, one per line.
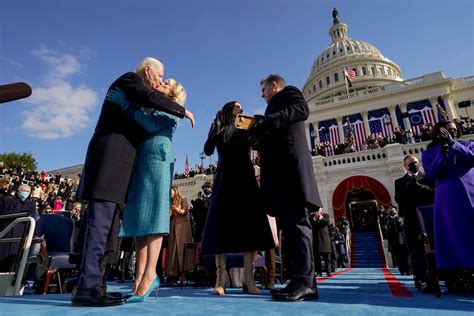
pixel 236 221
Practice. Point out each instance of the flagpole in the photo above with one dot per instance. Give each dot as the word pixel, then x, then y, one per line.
pixel 345 80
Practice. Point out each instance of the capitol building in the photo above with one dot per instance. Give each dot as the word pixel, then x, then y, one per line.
pixel 377 101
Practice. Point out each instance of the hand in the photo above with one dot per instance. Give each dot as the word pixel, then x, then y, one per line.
pixel 445 137
pixel 259 128
pixel 190 117
pixel 117 96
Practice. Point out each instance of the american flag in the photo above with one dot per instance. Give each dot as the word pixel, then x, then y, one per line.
pixel 377 125
pixel 420 113
pixel 329 135
pixel 350 75
pixel 186 167
pixel 358 130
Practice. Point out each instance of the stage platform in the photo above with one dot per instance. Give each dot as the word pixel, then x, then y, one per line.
pixel 358 291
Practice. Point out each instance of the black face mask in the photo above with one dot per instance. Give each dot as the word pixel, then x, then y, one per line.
pixel 413 167
pixel 206 191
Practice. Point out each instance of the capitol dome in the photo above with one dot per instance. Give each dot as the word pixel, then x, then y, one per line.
pixel 326 78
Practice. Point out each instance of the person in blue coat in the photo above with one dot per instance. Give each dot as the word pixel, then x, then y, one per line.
pixel 450 162
pixel 147 211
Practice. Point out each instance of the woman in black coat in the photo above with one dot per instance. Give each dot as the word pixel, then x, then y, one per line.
pixel 236 221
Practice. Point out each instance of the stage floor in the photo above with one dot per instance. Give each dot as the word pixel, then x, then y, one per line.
pixel 358 291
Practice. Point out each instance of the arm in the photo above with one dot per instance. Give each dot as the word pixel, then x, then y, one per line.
pixel 461 153
pixel 136 91
pixel 434 166
pixel 210 143
pixel 152 123
pixel 296 110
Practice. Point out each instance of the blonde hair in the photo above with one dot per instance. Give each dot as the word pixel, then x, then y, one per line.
pixel 176 200
pixel 179 93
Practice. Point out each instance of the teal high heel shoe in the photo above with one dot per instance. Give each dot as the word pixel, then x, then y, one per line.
pixel 154 286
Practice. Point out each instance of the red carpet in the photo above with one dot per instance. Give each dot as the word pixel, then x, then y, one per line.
pixel 397 288
pixel 319 280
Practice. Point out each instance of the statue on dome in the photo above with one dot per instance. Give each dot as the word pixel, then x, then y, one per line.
pixel 335 16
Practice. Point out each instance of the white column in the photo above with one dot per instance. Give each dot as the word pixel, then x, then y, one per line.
pixel 393 115
pixel 340 128
pixel 434 105
pixel 308 136
pixel 316 130
pixel 448 102
pixel 365 119
pixel 403 108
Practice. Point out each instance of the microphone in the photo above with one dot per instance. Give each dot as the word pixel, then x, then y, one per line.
pixel 14 91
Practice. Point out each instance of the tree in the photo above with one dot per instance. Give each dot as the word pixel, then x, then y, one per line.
pixel 16 160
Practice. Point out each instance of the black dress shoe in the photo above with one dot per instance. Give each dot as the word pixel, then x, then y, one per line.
pixel 287 289
pixel 300 292
pixel 96 297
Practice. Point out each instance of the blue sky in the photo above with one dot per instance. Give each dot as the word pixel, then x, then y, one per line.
pixel 71 51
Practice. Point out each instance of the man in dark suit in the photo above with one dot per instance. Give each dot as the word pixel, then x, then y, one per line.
pixel 291 195
pixel 108 168
pixel 413 190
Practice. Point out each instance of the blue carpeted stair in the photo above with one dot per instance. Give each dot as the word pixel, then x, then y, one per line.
pixel 366 250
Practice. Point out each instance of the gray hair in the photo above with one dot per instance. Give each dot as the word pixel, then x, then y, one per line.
pixel 24 186
pixel 148 62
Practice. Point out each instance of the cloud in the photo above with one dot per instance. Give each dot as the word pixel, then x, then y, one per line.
pixel 59 108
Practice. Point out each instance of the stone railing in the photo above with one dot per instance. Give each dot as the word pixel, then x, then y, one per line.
pixel 469 80
pixel 360 157
pixel 394 86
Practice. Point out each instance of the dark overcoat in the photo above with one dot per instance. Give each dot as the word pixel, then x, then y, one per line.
pixel 112 149
pixel 287 176
pixel 236 220
pixel 409 194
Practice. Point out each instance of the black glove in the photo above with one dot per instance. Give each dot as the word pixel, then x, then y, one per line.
pixel 445 137
pixel 215 126
pixel 260 127
pixel 445 140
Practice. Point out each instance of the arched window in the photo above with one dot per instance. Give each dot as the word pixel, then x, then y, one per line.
pixel 320 84
pixel 336 77
pixel 327 81
pixel 364 71
pixel 372 69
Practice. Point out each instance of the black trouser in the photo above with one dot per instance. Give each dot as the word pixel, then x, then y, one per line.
pixel 298 239
pixel 416 252
pixel 100 216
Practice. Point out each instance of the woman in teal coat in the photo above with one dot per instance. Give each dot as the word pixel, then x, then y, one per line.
pixel 147 211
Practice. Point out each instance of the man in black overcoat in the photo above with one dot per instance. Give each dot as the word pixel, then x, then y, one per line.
pixel 108 168
pixel 288 183
pixel 412 190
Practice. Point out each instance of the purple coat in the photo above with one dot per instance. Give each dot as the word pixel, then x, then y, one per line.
pixel 454 203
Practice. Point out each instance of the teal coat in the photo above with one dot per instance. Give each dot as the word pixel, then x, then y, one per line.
pixel 147 209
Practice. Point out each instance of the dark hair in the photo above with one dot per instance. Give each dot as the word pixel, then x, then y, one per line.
pixel 225 114
pixel 408 156
pixel 277 78
pixel 435 132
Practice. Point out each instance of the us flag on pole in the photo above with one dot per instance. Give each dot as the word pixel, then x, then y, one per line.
pixel 329 135
pixel 186 167
pixel 350 75
pixel 420 113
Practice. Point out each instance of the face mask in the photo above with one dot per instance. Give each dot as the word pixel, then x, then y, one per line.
pixel 453 134
pixel 23 195
pixel 206 191
pixel 413 167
